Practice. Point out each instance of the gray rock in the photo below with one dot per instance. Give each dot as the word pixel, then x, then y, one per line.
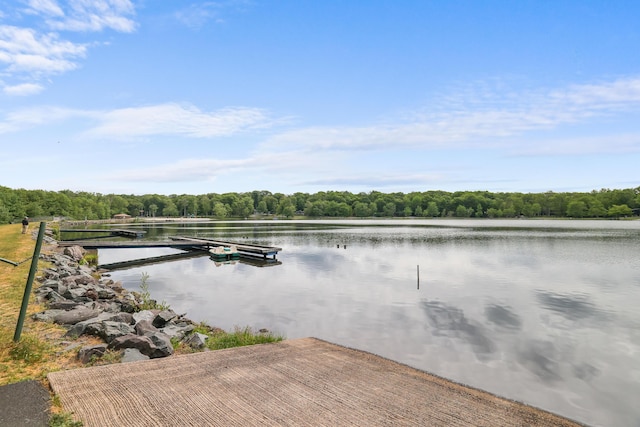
pixel 177 331
pixel 85 270
pixel 163 345
pixel 144 315
pixel 112 330
pixel 163 318
pixel 139 342
pixel 47 315
pixel 75 293
pixel 80 279
pixel 132 355
pixel 105 293
pixel 74 316
pixel 63 304
pixel 95 328
pixel 50 283
pixel 145 327
pixel 74 252
pixel 90 353
pixel 123 318
pixel 62 288
pixel 52 296
pixel 196 340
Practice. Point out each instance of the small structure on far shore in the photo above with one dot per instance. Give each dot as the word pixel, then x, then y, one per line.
pixel 121 216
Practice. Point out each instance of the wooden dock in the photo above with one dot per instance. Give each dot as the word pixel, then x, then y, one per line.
pixel 111 232
pixel 177 242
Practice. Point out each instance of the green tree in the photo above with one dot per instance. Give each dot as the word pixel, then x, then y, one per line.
pixel 576 209
pixel 432 210
pixel 617 211
pixel 462 211
pixel 289 211
pixel 361 210
pixel 262 207
pixel 170 209
pixel 389 209
pixel 596 210
pixel 220 210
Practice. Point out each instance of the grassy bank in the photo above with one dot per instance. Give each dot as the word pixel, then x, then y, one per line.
pixel 35 355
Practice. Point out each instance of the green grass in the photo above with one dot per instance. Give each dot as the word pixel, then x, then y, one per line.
pixel 63 419
pixel 29 349
pixel 240 337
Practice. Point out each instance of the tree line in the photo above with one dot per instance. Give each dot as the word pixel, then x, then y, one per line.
pixel 17 203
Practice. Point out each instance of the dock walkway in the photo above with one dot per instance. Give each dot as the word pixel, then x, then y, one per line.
pixel 179 242
pixel 302 382
pixel 111 231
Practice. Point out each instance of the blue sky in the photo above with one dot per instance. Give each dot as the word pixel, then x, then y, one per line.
pixel 174 97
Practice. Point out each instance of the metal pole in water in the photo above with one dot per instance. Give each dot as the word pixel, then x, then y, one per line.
pixel 418 271
pixel 27 289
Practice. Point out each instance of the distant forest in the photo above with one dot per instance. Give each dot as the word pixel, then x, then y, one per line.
pixel 605 203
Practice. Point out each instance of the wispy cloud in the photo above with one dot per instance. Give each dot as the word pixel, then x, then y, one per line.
pixel 197 15
pixel 177 119
pixel 29 118
pixel 376 180
pixel 465 127
pixel 85 16
pixel 133 123
pixel 207 169
pixel 183 170
pixel 571 146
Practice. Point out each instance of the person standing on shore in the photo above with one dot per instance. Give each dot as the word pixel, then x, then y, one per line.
pixel 25 225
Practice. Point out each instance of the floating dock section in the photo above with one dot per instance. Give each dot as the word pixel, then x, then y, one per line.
pixel 244 249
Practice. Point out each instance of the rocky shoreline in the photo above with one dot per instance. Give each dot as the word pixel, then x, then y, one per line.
pixel 79 298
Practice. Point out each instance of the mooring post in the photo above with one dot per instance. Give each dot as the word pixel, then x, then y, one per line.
pixel 418 272
pixel 27 289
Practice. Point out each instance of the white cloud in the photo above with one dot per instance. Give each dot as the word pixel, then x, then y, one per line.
pixel 29 55
pixel 24 50
pixel 23 89
pixel 176 119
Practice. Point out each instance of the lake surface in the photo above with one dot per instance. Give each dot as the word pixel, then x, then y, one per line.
pixel 544 312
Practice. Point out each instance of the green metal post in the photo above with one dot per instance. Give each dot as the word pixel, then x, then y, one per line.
pixel 32 275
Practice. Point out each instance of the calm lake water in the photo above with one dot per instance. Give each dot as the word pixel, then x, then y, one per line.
pixel 544 312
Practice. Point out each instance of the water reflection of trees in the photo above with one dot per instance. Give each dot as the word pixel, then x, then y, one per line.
pixel 451 322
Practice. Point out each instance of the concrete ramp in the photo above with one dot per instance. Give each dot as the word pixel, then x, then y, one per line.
pixel 302 382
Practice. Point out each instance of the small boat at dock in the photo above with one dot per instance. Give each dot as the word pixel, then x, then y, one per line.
pixel 224 253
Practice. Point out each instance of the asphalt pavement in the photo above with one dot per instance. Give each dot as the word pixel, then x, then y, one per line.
pixel 25 403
